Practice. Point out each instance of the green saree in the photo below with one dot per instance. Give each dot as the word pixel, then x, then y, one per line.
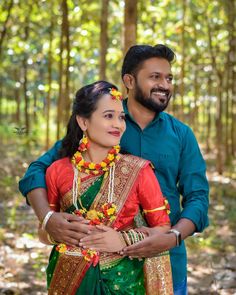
pixel 68 273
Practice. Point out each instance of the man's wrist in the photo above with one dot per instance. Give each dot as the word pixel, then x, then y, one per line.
pixel 177 235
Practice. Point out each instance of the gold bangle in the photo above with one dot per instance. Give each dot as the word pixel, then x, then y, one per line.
pixel 126 238
pixel 122 240
pixel 51 240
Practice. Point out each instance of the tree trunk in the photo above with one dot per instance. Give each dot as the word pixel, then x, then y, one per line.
pixel 25 75
pixel 103 39
pixel 48 98
pixel 182 70
pixel 130 22
pixel 231 89
pixel 5 24
pixel 219 78
pixel 17 98
pixel 63 108
pixel 209 116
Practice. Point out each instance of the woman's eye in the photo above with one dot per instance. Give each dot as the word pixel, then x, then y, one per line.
pixel 109 116
pixel 122 117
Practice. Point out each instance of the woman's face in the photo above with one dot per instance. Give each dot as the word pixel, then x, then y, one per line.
pixel 107 123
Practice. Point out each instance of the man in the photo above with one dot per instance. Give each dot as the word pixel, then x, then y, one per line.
pixel 154 135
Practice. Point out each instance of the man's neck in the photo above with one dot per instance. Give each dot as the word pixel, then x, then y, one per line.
pixel 141 115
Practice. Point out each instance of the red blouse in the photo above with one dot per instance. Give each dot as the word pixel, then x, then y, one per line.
pixel 145 194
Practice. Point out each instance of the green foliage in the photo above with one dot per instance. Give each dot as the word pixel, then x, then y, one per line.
pixel 187 33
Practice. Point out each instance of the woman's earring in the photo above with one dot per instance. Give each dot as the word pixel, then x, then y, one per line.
pixel 83 144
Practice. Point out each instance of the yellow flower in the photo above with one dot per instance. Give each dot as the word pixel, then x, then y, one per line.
pixel 117 148
pixel 92 214
pixel 103 164
pixel 111 211
pixel 110 157
pixel 61 248
pixel 100 214
pixel 116 94
pixel 82 211
pixel 91 166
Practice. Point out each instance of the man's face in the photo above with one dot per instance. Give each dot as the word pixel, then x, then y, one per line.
pixel 153 88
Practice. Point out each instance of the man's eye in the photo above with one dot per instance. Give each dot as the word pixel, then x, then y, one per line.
pixel 155 77
pixel 170 79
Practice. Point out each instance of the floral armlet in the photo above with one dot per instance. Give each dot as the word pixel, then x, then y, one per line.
pixel 166 207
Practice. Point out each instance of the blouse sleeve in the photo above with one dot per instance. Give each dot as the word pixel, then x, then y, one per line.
pixel 154 205
pixel 52 190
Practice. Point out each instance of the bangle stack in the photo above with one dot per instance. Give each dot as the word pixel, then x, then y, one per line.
pixel 46 218
pixel 132 236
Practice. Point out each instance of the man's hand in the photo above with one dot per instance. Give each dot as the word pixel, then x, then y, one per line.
pixel 107 240
pixel 68 228
pixel 151 246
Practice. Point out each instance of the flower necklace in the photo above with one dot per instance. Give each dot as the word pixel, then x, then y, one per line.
pixel 107 212
pixel 95 169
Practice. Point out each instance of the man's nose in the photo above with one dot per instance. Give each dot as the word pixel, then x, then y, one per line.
pixel 163 83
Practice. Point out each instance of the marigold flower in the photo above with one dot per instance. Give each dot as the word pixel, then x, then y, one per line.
pixel 111 211
pixel 92 214
pixel 91 166
pixel 61 248
pixel 110 157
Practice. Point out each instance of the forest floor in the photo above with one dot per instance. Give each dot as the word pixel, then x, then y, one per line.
pixel 212 255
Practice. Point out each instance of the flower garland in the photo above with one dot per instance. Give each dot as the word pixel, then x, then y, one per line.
pixel 95 169
pixel 106 213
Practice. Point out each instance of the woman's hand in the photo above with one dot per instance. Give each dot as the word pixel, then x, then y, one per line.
pixel 107 240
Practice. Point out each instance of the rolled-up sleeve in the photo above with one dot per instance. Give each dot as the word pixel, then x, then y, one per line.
pixel 193 184
pixel 35 174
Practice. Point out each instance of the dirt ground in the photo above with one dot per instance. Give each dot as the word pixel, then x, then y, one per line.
pixel 212 255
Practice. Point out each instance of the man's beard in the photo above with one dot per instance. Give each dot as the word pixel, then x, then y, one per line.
pixel 149 102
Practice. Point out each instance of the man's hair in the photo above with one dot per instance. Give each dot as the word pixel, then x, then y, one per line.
pixel 137 54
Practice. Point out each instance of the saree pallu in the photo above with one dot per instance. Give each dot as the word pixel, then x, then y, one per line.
pixel 69 273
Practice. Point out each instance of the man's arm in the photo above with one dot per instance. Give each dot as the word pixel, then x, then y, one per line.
pixel 62 227
pixel 158 242
pixel 35 174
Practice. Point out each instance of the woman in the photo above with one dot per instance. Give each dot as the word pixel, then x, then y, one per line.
pixel 94 181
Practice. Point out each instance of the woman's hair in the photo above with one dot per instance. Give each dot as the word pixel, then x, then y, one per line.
pixel 85 103
pixel 137 54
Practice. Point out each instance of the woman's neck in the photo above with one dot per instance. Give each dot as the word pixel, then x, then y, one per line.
pixel 96 154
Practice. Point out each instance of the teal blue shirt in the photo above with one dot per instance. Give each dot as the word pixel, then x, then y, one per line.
pixel 179 167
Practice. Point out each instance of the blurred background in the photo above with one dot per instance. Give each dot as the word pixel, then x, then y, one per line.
pixel 49 49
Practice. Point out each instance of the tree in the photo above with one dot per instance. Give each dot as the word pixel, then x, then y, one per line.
pixel 103 39
pixel 63 107
pixel 130 24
